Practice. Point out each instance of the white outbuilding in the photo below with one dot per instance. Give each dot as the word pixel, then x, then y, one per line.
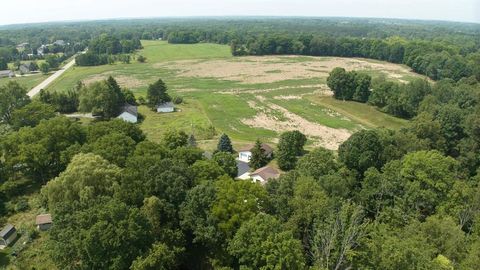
pixel 166 107
pixel 7 235
pixel 129 114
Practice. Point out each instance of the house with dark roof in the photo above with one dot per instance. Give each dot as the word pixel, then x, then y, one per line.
pixel 165 107
pixel 7 235
pixel 245 154
pixel 263 175
pixel 43 222
pixel 129 113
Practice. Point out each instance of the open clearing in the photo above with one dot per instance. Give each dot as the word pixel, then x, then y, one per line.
pixel 268 69
pixel 245 97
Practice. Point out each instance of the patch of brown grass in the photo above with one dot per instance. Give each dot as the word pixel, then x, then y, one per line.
pixel 258 69
pixel 122 80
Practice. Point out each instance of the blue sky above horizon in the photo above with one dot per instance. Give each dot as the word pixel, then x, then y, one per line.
pixel 29 11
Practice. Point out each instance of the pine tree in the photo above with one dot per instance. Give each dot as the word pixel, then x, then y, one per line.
pixel 224 144
pixel 258 159
pixel 192 141
pixel 157 94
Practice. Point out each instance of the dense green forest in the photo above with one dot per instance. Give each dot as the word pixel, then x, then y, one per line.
pixel 406 199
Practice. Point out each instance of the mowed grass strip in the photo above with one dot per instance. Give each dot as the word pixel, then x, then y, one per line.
pixel 361 113
pixel 317 113
pixel 188 117
pixel 161 51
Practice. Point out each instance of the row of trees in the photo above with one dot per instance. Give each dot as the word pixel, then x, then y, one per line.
pixel 436 60
pixel 349 85
pixel 106 49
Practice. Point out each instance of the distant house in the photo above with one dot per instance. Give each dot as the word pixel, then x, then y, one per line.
pixel 166 107
pixel 7 236
pixel 59 42
pixel 245 154
pixel 7 74
pixel 129 113
pixel 22 46
pixel 24 68
pixel 43 222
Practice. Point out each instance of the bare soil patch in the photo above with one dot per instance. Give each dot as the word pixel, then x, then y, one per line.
pixel 122 80
pixel 269 69
pixel 326 137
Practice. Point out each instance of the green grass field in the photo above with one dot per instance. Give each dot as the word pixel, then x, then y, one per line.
pixel 27 81
pixel 223 93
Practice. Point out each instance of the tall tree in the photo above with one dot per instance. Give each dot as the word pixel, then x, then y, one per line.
pixel 362 88
pixel 227 162
pixel 336 236
pixel 12 96
pixel 224 144
pixel 342 83
pixel 260 243
pixel 157 94
pixel 31 114
pixel 362 151
pixel 259 158
pixel 101 98
pixel 290 146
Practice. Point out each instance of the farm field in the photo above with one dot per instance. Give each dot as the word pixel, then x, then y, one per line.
pixel 245 97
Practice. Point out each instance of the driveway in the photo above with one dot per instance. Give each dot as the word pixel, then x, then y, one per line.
pixel 50 79
pixel 242 168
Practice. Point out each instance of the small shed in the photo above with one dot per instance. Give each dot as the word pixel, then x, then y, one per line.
pixel 166 107
pixel 44 222
pixel 129 114
pixel 7 235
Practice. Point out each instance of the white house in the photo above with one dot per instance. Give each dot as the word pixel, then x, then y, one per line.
pixel 245 154
pixel 7 236
pixel 43 222
pixel 264 174
pixel 166 107
pixel 129 113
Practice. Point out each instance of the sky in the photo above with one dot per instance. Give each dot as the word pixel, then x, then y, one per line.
pixel 28 11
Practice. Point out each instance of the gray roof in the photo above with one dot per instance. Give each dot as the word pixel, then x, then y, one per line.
pixel 8 230
pixel 5 72
pixel 131 109
pixel 166 105
pixel 243 167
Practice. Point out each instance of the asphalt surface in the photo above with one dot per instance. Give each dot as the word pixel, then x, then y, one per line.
pixel 50 79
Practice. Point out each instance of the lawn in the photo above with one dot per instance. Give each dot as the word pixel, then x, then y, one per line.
pixel 362 113
pixel 27 81
pixel 225 94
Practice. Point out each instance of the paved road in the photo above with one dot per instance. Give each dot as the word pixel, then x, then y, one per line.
pixel 50 79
